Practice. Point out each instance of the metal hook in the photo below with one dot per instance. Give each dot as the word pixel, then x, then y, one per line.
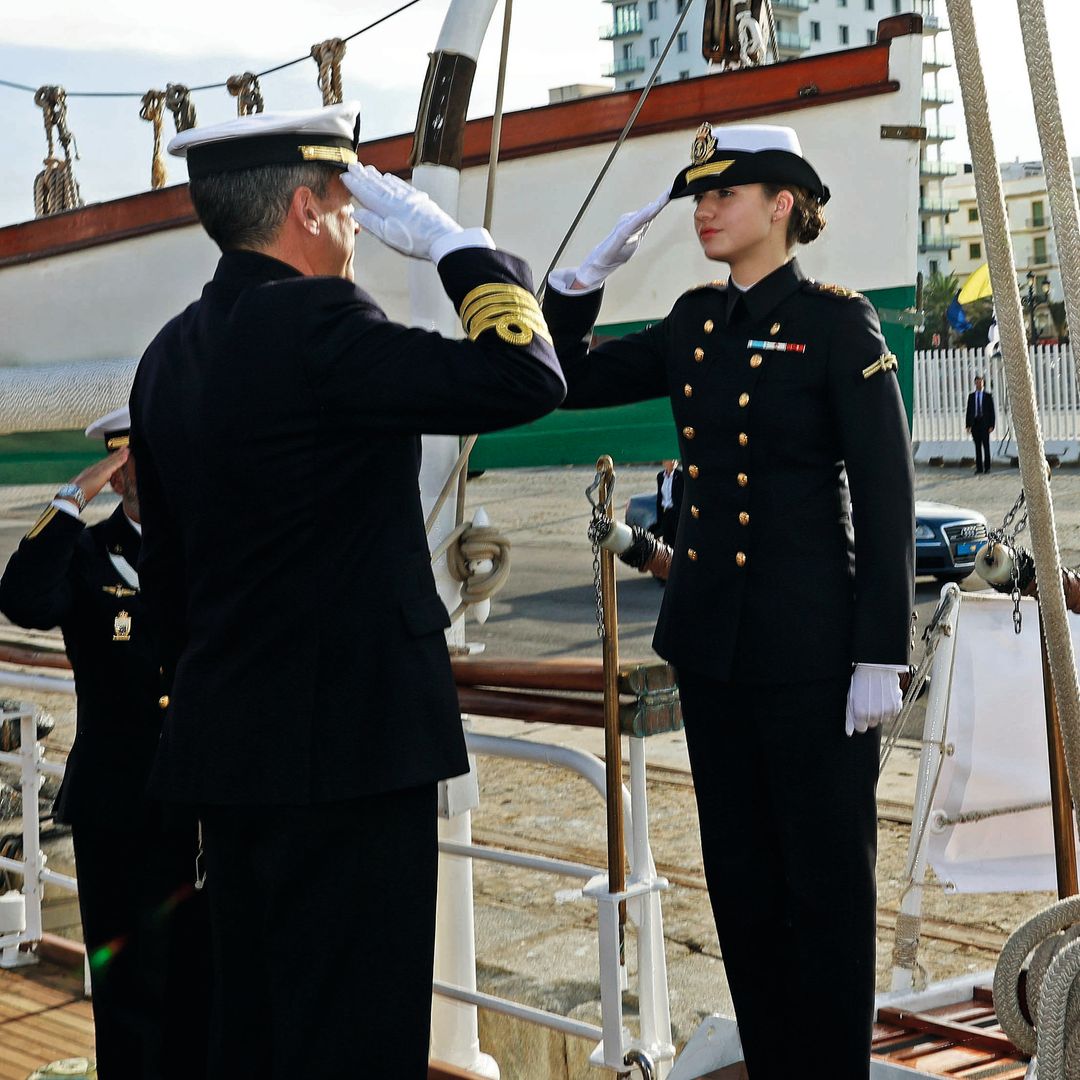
pixel 643 1062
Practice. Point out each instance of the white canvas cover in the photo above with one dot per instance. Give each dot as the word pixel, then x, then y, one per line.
pixel 997 731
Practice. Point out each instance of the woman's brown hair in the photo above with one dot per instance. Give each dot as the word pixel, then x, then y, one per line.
pixel 807 218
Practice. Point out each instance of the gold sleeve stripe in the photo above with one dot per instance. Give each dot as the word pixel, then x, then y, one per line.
pixel 714 168
pixel 511 311
pixel 50 513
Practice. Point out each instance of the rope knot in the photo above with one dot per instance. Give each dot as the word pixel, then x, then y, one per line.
pixel 328 55
pixel 178 102
pixel 55 187
pixel 153 110
pixel 245 88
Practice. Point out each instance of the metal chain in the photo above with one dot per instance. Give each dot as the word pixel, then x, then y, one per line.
pixel 599 527
pixel 1007 535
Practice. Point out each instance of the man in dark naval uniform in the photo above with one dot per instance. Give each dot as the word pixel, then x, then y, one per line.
pixel 787 610
pixel 144 925
pixel 313 710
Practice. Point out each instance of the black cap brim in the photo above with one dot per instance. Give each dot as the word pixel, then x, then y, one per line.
pixel 731 168
pixel 256 151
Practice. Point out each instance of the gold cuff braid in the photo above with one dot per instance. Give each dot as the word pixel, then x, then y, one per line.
pixel 511 311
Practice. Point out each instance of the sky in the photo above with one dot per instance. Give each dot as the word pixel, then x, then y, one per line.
pixel 128 45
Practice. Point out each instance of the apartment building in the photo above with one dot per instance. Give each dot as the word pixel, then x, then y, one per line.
pixel 641 28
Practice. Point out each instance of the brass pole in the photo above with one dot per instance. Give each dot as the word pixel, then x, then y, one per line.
pixel 612 736
pixel 1060 800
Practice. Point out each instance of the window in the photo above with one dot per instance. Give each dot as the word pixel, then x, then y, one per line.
pixel 628 85
pixel 896 7
pixel 815 31
pixel 1040 250
pixel 683 44
pixel 934 264
pixel 628 51
pixel 684 75
pixel 654 47
pixel 974 251
pixel 844 35
pixel 973 213
pixel 1038 214
pixel 871 37
pixel 679 5
pixel 652 8
pixel 841 3
pixel 869 5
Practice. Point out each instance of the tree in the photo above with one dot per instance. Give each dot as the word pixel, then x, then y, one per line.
pixel 939 291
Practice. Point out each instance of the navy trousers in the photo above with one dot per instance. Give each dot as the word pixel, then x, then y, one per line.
pixel 324 936
pixel 787 808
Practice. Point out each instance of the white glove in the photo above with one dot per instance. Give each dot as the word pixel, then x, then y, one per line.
pixel 611 253
pixel 873 698
pixel 402 217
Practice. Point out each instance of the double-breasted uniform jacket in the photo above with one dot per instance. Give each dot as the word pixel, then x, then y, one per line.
pixel 299 619
pixel 789 414
pixel 61 575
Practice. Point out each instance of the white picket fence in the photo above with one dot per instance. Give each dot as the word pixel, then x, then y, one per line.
pixel 945 377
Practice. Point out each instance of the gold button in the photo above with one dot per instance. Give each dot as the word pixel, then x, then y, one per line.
pixel 688 390
pixel 699 354
pixel 695 512
pixel 755 360
pixel 163 701
pixel 744 518
pixel 740 559
pixel 693 470
pixel 688 432
pixel 775 328
pixel 691 554
pixel 708 327
pixel 744 400
pixel 744 439
pixel 742 479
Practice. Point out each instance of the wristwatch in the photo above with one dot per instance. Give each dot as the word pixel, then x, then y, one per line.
pixel 74 493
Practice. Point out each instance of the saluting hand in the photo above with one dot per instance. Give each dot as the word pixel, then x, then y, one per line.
pixel 401 216
pixel 619 246
pixel 94 477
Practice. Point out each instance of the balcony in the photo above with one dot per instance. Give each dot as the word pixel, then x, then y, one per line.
pixel 932 24
pixel 936 168
pixel 936 207
pixel 623 27
pixel 1037 223
pixel 935 63
pixel 793 6
pixel 788 42
pixel 937 242
pixel 934 98
pixel 628 65
pixel 937 133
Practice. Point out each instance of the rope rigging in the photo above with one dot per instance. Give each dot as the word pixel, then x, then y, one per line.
pixel 55 187
pixel 245 88
pixel 178 102
pixel 328 56
pixel 153 110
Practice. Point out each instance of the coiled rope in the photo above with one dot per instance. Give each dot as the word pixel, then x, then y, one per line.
pixel 1053 1013
pixel 55 187
pixel 178 102
pixel 153 110
pixel 328 56
pixel 245 88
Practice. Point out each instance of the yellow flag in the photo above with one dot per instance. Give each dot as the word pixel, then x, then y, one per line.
pixel 977 286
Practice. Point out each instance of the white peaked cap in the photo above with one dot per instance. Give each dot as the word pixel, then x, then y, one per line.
pixel 755 137
pixel 116 423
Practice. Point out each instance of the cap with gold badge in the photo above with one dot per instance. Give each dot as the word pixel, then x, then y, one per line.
pixel 113 427
pixel 724 157
pixel 328 135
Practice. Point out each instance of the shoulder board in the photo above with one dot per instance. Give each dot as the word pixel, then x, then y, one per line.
pixel 810 285
pixel 719 283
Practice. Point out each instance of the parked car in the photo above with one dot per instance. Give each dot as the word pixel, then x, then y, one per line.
pixel 946 537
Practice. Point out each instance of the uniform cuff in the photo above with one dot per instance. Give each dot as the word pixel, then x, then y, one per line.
pixel 67 507
pixel 466 238
pixel 899 668
pixel 562 281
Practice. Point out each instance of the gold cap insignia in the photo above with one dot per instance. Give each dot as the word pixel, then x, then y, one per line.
pixel 703 146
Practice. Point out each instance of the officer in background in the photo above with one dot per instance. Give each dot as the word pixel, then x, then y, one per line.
pixel 669 487
pixel 981 420
pixel 313 710
pixel 144 925
pixel 786 622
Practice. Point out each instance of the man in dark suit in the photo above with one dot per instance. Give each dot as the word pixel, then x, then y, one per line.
pixel 669 486
pixel 313 710
pixel 981 420
pixel 145 927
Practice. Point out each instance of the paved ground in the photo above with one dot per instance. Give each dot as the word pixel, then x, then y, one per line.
pixel 535 935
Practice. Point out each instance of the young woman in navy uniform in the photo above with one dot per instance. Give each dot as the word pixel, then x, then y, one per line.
pixel 786 624
pixel 145 927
